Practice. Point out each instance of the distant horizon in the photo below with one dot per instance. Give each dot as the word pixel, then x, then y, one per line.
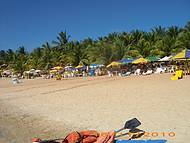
pixel 31 24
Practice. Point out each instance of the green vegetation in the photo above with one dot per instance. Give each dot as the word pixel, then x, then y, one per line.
pixel 115 46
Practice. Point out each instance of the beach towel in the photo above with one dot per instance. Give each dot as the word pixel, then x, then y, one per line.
pixel 90 136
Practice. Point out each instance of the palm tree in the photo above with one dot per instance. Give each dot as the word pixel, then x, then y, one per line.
pixel 77 53
pixel 118 49
pixel 187 26
pixel 20 63
pixel 46 56
pixel 157 49
pixel 100 52
pixel 115 46
pixel 143 47
pixel 137 35
pixel 62 41
pixel 36 58
pixel 132 54
pixel 173 31
pixel 3 57
pixel 159 32
pixel 184 39
pixel 105 52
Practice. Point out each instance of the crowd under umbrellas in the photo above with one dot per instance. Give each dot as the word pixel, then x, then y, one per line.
pixel 124 67
pixel 152 64
pixel 139 66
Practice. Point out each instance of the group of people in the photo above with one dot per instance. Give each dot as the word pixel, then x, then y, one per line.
pixel 123 70
pixel 147 69
pixel 68 73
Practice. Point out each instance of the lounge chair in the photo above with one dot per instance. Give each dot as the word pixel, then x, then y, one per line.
pixel 148 72
pixel 171 70
pixel 137 72
pixel 15 81
pixel 159 70
pixel 110 74
pixel 126 74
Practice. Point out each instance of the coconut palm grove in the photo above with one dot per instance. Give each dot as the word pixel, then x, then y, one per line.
pixel 159 41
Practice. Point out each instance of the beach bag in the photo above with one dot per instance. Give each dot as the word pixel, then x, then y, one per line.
pixel 90 136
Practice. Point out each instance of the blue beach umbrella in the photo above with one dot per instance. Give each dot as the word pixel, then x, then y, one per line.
pixel 126 61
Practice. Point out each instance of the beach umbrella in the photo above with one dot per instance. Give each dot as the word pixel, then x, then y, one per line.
pixel 93 65
pixel 126 61
pixel 79 66
pixel 153 58
pixel 114 64
pixel 101 65
pixel 53 71
pixel 96 65
pixel 140 61
pixel 57 68
pixel 184 54
pixel 69 68
pixel 166 58
pixel 84 68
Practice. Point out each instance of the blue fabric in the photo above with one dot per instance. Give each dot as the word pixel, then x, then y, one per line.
pixel 93 65
pixel 140 141
pixel 91 73
pixel 83 68
pixel 187 53
pixel 126 61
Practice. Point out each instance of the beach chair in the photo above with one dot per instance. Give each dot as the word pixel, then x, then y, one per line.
pixel 148 72
pixel 137 72
pixel 178 75
pixel 171 70
pixel 126 74
pixel 159 70
pixel 110 74
pixel 15 81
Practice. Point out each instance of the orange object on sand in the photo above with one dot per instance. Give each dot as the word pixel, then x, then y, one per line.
pixel 90 136
pixel 36 140
pixel 107 137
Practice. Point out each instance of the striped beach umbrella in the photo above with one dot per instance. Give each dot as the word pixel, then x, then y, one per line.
pixel 153 58
pixel 140 61
pixel 126 61
pixel 114 64
pixel 184 54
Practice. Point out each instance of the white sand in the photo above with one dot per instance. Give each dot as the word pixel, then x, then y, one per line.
pixel 101 103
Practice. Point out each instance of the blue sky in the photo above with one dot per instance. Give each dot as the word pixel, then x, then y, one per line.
pixel 31 23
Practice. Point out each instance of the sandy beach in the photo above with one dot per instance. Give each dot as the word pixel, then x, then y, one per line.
pixel 48 108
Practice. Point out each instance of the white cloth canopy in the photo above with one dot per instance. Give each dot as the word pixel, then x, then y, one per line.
pixel 166 58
